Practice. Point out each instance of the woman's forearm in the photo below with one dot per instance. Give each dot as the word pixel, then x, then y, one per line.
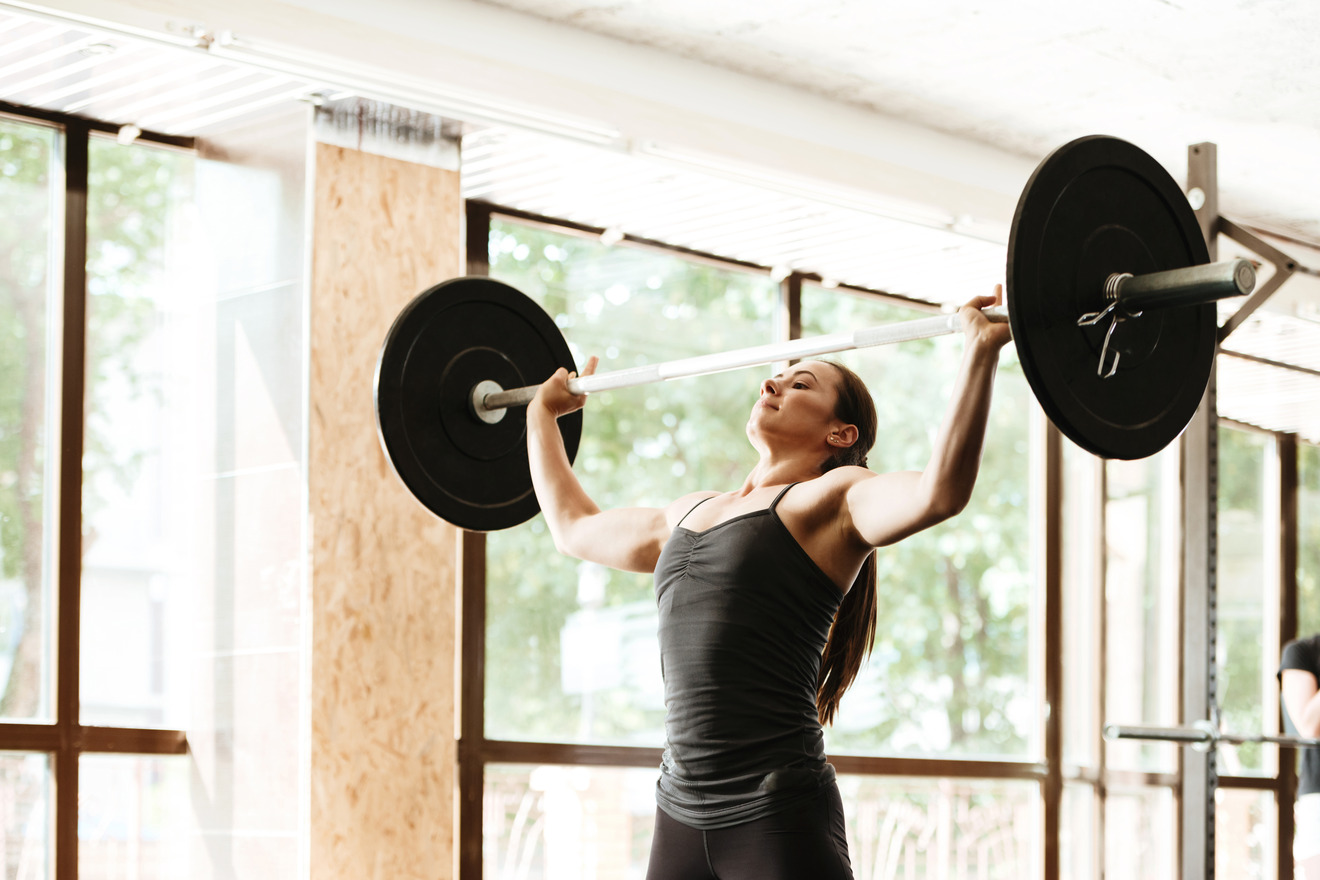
pixel 563 500
pixel 950 475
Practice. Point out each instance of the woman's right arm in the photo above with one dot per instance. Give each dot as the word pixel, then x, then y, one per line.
pixel 627 538
pixel 1301 700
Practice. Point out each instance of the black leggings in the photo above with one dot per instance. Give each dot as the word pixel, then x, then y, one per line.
pixel 805 842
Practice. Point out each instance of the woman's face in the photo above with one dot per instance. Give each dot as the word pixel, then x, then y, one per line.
pixel 798 402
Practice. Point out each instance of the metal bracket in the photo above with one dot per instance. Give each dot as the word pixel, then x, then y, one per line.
pixel 1284 267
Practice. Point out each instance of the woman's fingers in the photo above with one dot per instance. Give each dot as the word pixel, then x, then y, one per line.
pixel 995 333
pixel 554 393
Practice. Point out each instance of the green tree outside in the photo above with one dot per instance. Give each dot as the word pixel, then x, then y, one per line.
pixel 952 655
pixel 640 446
pixel 27 175
pixel 1241 610
pixel 130 191
pixel 1308 540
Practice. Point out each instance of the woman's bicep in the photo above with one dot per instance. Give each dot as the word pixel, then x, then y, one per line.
pixel 885 508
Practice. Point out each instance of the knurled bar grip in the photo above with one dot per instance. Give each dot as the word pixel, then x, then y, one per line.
pixel 905 331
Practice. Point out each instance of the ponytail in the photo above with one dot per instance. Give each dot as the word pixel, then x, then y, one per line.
pixel 852 636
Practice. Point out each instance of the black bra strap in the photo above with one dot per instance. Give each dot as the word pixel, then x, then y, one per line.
pixel 775 503
pixel 692 508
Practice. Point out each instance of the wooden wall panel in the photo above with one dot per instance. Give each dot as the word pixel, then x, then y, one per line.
pixel 383 604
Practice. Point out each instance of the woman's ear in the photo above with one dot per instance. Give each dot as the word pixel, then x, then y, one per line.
pixel 847 436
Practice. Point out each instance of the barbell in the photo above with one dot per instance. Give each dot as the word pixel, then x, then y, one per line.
pixel 1109 297
pixel 1202 736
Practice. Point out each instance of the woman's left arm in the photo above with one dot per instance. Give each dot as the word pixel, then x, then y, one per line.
pixel 889 507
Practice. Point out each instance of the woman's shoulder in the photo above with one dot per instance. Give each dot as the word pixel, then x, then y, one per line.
pixel 840 479
pixel 1302 653
pixel 829 489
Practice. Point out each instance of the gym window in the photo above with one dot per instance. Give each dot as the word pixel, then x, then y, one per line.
pixel 571 697
pixel 150 535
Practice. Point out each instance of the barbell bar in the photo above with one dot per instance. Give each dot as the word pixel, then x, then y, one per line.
pixel 1202 735
pixel 1133 294
pixel 490 403
pixel 1109 297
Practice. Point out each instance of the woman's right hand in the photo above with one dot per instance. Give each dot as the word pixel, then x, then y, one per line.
pixel 554 397
pixel 629 539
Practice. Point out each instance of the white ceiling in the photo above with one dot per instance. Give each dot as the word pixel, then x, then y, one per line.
pixel 1026 76
pixel 949 103
pixel 1022 77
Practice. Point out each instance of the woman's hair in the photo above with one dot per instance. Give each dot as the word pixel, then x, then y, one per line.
pixel 853 632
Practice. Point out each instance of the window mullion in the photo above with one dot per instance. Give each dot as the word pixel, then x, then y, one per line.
pixel 1286 550
pixel 1051 573
pixel 72 409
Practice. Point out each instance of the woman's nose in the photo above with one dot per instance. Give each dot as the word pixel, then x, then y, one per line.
pixel 768 387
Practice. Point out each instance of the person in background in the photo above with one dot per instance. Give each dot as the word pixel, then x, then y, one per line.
pixel 1299 684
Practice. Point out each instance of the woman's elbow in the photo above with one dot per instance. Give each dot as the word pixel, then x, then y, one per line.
pixel 946 505
pixel 566 542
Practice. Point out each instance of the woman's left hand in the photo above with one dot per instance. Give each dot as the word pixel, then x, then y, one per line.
pixel 979 329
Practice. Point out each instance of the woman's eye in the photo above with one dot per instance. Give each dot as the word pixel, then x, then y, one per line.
pixel 799 385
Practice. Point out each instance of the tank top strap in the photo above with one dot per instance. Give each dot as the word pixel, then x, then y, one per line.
pixel 692 508
pixel 782 493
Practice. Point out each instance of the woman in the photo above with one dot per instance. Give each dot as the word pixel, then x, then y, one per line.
pixel 767 603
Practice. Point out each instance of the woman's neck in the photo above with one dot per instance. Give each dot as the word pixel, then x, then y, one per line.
pixel 774 471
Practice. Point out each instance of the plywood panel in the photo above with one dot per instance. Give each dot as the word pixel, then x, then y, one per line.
pixel 383 604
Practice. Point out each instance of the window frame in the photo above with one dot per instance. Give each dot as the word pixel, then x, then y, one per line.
pixel 475 751
pixel 1281 487
pixel 66 739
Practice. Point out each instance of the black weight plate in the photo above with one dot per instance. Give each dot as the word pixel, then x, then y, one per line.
pixel 1096 206
pixel 461 332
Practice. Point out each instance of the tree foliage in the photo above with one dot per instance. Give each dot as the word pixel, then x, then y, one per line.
pixel 1308 540
pixel 641 446
pixel 1240 609
pixel 128 197
pixel 26 173
pixel 950 672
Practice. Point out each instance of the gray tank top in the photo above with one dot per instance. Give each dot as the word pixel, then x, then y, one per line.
pixel 744 616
